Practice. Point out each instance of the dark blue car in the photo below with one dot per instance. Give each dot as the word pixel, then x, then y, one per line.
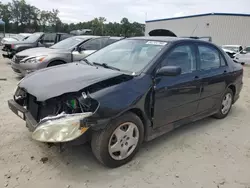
pixel 128 92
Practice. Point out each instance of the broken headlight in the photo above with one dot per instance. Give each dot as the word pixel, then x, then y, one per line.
pixel 60 128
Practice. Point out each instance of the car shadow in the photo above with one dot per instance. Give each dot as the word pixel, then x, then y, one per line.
pixel 80 160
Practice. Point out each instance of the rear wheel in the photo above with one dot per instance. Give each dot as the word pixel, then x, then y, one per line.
pixel 119 141
pixel 226 104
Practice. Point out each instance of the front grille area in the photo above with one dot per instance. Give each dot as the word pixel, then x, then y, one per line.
pixel 32 106
pixel 17 58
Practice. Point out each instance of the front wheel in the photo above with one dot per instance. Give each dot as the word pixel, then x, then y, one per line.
pixel 119 141
pixel 226 104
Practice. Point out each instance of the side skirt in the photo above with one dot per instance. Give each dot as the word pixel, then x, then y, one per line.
pixel 152 133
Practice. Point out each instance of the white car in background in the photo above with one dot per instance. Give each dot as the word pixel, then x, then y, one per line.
pixel 229 52
pixel 15 37
pixel 243 57
pixel 235 48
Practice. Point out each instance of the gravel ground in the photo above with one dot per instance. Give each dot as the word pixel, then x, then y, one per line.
pixel 209 153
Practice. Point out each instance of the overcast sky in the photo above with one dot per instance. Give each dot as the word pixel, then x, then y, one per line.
pixel 137 10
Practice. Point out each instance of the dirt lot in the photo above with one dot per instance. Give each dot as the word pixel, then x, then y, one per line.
pixel 209 153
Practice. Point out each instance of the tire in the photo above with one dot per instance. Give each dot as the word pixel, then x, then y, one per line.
pixel 54 63
pixel 220 114
pixel 101 140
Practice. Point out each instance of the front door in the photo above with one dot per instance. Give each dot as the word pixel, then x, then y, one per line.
pixel 48 39
pixel 88 48
pixel 177 97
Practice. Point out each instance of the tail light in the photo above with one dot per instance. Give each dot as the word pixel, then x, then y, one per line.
pixel 12 46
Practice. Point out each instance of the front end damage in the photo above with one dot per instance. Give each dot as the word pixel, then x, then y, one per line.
pixel 57 120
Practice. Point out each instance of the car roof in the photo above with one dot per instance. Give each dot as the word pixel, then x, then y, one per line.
pixel 158 38
pixel 86 36
pixel 117 38
pixel 169 39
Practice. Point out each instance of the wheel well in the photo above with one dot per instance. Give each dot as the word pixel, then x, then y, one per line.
pixel 138 112
pixel 56 62
pixel 232 87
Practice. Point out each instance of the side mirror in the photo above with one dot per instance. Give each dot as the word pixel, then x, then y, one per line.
pixel 79 49
pixel 40 41
pixel 169 71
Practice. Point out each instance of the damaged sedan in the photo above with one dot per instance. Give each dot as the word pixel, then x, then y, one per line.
pixel 129 92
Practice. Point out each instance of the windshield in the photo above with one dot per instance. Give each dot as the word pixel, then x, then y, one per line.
pixel 33 38
pixel 128 55
pixel 68 43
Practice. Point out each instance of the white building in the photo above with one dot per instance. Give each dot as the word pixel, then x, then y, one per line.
pixel 224 28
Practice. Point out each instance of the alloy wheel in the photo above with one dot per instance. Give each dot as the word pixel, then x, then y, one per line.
pixel 123 141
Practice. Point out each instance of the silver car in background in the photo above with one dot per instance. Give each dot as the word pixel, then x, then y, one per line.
pixel 68 50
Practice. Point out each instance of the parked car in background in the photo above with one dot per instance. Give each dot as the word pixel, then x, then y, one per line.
pixel 231 53
pixel 247 49
pixel 69 50
pixel 17 37
pixel 243 57
pixel 39 39
pixel 131 91
pixel 235 48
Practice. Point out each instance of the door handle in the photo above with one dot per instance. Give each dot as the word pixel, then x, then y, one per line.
pixel 196 77
pixel 225 71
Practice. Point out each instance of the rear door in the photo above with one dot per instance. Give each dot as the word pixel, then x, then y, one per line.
pixel 214 72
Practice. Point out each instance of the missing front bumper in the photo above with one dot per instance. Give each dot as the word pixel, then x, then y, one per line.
pixel 24 114
pixel 8 55
pixel 56 129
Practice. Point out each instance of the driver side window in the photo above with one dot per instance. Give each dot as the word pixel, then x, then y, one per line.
pixel 94 44
pixel 182 56
pixel 49 38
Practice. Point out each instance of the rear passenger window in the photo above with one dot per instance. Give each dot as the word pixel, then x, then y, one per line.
pixel 210 58
pixel 94 44
pixel 222 61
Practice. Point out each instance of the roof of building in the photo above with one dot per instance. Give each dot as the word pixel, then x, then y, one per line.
pixel 198 15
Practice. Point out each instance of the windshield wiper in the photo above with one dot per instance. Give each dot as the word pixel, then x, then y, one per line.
pixel 87 61
pixel 105 65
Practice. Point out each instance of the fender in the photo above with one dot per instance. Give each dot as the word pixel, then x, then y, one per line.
pixel 134 99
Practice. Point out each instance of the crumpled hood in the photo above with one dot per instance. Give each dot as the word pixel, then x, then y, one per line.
pixel 39 51
pixel 55 81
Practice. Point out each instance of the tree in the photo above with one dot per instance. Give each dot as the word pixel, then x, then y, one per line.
pixel 19 16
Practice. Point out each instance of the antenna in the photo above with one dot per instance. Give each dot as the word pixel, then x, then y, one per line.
pixel 194 29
